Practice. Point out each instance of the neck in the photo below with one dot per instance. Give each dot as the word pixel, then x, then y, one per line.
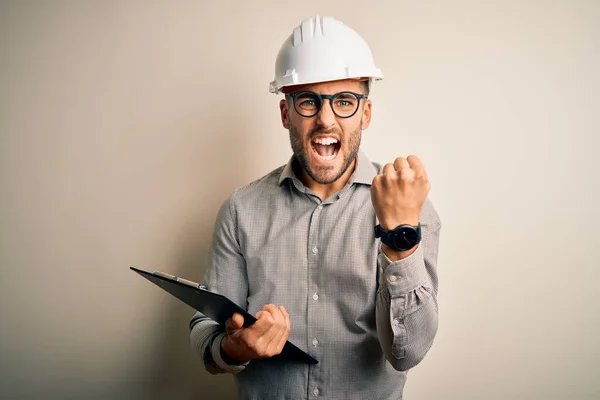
pixel 326 190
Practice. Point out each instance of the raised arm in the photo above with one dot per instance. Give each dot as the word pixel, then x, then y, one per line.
pixel 406 309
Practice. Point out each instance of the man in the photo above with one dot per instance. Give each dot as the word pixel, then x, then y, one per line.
pixel 332 251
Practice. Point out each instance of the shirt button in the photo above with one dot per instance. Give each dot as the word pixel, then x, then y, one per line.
pixel 315 342
pixel 320 207
pixel 315 297
pixel 393 278
pixel 315 250
pixel 316 391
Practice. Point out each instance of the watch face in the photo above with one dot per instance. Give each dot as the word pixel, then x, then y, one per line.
pixel 405 238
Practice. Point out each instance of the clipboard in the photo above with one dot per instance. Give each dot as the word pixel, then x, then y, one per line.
pixel 215 306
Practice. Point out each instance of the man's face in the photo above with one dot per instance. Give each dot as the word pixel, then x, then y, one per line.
pixel 326 145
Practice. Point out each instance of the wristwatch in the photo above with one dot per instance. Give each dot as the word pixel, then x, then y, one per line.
pixel 401 238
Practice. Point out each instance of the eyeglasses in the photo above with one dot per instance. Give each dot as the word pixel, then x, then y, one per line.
pixel 344 104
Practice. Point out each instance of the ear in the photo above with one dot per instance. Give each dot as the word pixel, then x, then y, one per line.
pixel 366 114
pixel 283 107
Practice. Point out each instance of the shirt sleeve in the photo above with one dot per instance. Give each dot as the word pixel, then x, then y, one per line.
pixel 226 275
pixel 407 308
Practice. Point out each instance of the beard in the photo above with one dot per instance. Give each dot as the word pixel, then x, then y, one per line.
pixel 321 175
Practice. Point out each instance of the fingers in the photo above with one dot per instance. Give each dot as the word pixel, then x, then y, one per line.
pixel 271 328
pixel 399 191
pixel 264 323
pixel 278 321
pixel 234 323
pixel 286 332
pixel 281 333
pixel 263 314
pixel 285 315
pixel 407 168
pixel 265 338
pixel 400 163
pixel 238 320
pixel 388 169
pixel 416 164
pixel 397 171
pixel 275 312
pixel 271 315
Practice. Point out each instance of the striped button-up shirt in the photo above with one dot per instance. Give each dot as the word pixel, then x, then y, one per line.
pixel 367 320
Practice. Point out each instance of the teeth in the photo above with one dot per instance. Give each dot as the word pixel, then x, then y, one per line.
pixel 326 158
pixel 326 141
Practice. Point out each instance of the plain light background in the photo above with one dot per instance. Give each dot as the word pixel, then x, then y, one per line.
pixel 125 124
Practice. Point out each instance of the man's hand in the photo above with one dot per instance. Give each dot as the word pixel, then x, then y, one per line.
pixel 398 194
pixel 265 338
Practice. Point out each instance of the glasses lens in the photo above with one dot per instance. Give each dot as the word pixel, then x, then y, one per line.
pixel 345 104
pixel 307 103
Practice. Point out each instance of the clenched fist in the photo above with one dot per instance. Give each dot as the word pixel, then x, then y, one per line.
pixel 265 338
pixel 398 193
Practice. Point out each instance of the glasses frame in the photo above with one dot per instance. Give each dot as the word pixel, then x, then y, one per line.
pixel 322 98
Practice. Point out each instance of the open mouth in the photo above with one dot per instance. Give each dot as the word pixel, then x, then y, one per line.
pixel 325 148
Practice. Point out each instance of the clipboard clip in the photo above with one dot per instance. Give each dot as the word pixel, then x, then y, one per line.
pixel 177 279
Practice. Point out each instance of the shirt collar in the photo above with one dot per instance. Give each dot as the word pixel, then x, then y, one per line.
pixel 364 173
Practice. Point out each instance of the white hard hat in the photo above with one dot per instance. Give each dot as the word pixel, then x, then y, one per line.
pixel 323 49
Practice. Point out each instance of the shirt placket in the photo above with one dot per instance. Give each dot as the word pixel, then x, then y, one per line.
pixel 315 307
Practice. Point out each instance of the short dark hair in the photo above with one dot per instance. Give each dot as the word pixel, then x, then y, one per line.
pixel 366 87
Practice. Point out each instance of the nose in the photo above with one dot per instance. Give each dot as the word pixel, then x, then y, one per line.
pixel 325 116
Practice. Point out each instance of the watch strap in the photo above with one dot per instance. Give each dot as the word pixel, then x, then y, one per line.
pixel 387 237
